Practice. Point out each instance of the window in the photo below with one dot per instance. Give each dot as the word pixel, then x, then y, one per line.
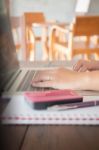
pixel 82 6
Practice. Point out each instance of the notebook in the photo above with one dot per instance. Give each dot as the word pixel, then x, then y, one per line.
pixel 19 112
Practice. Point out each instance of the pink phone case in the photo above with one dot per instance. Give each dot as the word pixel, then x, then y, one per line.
pixel 44 99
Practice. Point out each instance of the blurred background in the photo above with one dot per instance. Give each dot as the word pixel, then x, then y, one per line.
pixel 37 36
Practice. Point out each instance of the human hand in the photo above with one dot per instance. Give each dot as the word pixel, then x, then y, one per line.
pixel 83 65
pixel 59 79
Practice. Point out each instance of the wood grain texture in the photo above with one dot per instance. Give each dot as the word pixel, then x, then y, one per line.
pixel 11 137
pixel 61 138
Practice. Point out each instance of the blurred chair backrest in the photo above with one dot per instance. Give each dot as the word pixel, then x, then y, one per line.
pixel 34 17
pixel 83 38
pixel 31 19
pixel 86 25
pixel 16 29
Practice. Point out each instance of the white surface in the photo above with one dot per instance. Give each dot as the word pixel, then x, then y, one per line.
pixel 82 6
pixel 19 112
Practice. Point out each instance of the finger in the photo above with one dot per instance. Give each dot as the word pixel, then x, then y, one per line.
pixel 83 69
pixel 78 65
pixel 43 84
pixel 42 75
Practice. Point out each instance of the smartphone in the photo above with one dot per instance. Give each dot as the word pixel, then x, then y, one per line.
pixel 43 99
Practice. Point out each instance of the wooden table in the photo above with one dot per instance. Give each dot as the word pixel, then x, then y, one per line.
pixel 47 137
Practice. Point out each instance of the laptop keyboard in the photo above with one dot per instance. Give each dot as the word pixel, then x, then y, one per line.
pixel 12 79
pixel 17 82
pixel 4 80
pixel 25 84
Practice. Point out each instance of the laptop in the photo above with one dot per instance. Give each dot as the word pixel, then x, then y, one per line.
pixel 13 79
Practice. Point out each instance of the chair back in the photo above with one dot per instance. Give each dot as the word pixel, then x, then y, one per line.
pixel 86 26
pixel 16 29
pixel 34 17
pixel 32 20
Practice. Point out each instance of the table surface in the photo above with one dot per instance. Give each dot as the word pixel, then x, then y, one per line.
pixel 48 137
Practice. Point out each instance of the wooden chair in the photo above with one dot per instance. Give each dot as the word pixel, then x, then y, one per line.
pixel 23 37
pixel 16 26
pixel 32 20
pixel 82 39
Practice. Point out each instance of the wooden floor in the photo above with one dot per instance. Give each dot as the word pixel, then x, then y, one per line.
pixel 49 137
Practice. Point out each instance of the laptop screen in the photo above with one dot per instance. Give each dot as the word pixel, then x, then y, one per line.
pixel 8 57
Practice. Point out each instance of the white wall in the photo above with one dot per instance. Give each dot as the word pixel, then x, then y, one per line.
pixel 60 10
